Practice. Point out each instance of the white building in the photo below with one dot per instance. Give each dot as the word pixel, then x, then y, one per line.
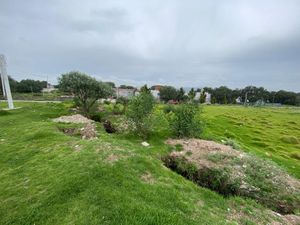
pixel 49 88
pixel 155 94
pixel 197 96
pixel 207 98
pixel 124 92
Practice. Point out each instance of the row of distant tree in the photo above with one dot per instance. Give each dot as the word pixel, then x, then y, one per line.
pixel 225 95
pixel 26 86
pixel 220 95
pixel 252 94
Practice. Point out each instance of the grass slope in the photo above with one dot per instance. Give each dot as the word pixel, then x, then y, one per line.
pixel 272 133
pixel 50 178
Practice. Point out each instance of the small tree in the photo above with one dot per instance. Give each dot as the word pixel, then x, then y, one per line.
pixel 186 122
pixel 145 89
pixel 181 95
pixel 87 90
pixel 202 97
pixel 139 113
pixel 168 93
pixel 31 86
pixel 192 94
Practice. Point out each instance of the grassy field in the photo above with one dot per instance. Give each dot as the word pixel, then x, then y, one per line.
pixel 50 178
pixel 272 133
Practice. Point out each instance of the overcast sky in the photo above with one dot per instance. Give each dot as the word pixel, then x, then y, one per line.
pixel 192 43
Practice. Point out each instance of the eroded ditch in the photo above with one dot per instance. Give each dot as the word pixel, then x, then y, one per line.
pixel 231 172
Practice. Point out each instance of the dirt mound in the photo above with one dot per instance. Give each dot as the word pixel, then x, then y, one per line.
pixel 232 172
pixel 197 151
pixel 77 118
pixel 88 131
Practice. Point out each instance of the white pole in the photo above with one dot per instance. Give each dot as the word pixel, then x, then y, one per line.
pixel 5 82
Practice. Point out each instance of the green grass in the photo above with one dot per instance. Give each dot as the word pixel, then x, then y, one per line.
pixel 271 133
pixel 48 177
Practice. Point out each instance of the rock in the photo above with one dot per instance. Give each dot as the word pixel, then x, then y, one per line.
pixel 145 144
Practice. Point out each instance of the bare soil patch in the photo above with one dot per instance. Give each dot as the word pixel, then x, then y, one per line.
pixel 87 132
pixel 232 172
pixel 148 178
pixel 77 118
pixel 112 158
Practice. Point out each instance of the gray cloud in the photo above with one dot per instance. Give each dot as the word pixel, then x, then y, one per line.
pixel 194 43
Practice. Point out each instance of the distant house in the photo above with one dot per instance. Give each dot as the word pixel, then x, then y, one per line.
pixel 197 96
pixel 125 92
pixel 156 87
pixel 207 98
pixel 156 94
pixel 49 88
pixel 238 100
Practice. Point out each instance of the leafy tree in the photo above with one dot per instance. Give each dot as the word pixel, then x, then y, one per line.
pixel 12 83
pixel 168 93
pixel 254 94
pixel 145 89
pixel 87 90
pixel 124 101
pixel 202 97
pixel 286 97
pixel 126 86
pixel 181 95
pixel 192 94
pixel 111 84
pixel 213 100
pixel 223 95
pixel 139 113
pixel 33 86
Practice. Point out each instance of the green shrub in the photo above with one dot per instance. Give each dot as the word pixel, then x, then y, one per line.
pixel 96 117
pixel 186 121
pixel 231 143
pixel 168 108
pixel 118 109
pixel 139 114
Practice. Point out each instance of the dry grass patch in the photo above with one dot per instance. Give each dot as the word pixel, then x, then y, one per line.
pixel 148 178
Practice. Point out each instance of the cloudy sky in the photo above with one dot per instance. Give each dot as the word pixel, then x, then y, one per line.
pixel 191 43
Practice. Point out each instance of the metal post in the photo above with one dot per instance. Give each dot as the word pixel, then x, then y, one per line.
pixel 5 82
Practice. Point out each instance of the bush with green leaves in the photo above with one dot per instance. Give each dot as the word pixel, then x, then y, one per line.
pixel 168 108
pixel 186 121
pixel 139 114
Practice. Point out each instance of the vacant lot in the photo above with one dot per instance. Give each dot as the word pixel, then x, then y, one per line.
pixel 48 177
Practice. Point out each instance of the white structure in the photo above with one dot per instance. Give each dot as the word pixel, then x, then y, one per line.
pixel 49 88
pixel 125 92
pixel 207 98
pixel 197 95
pixel 238 100
pixel 155 94
pixel 5 82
